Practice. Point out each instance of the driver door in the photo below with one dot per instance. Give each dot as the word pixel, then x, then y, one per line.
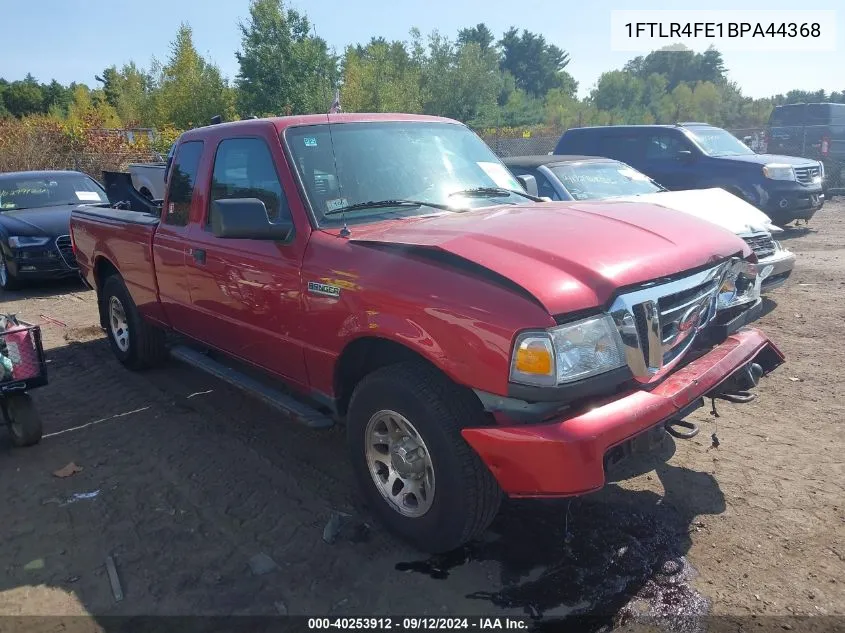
pixel 246 293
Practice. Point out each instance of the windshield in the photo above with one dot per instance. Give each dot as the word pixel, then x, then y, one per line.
pixel 48 190
pixel 605 179
pixel 351 163
pixel 716 142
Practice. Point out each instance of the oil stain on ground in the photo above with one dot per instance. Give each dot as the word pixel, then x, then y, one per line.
pixel 603 561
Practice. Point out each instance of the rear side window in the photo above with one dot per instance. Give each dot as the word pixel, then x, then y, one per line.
pixel 787 115
pixel 818 113
pixel 244 168
pixel 628 148
pixel 183 177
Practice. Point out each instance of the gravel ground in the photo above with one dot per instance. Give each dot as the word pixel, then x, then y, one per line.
pixel 209 503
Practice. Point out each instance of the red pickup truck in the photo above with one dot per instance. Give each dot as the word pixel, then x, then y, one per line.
pixel 389 272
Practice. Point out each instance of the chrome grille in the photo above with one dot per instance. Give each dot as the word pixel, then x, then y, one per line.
pixel 805 175
pixel 762 244
pixel 658 323
pixel 66 250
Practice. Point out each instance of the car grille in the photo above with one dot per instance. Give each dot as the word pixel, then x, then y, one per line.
pixel 66 250
pixel 658 323
pixel 806 175
pixel 762 244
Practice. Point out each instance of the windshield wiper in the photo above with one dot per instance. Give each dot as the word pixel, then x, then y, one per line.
pixel 380 204
pixel 494 192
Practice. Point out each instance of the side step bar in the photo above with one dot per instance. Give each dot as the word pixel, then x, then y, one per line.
pixel 272 397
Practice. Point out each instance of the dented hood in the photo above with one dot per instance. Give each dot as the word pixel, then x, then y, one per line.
pixel 569 256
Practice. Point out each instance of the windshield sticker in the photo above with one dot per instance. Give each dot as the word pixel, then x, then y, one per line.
pixel 88 195
pixel 310 141
pixel 336 203
pixel 632 175
pixel 500 175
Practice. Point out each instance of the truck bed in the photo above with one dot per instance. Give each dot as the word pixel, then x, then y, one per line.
pixel 106 238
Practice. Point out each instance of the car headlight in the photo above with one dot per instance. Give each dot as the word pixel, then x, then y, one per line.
pixel 567 353
pixel 821 170
pixel 741 284
pixel 20 241
pixel 778 171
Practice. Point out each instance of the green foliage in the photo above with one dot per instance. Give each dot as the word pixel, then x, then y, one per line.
pixel 284 69
pixel 536 66
pixel 516 82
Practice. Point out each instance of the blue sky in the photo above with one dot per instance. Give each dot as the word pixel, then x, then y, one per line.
pixel 72 40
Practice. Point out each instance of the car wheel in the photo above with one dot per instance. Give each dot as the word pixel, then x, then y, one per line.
pixel 136 343
pixel 23 419
pixel 7 280
pixel 417 473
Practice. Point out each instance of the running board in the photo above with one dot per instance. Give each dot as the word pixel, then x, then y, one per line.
pixel 272 397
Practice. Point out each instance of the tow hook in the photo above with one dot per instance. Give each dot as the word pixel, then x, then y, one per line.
pixel 683 435
pixel 735 388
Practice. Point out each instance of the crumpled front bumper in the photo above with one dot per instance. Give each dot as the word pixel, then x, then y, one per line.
pixel 782 263
pixel 566 457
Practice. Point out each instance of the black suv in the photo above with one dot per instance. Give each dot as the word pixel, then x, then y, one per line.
pixel 700 156
pixel 812 130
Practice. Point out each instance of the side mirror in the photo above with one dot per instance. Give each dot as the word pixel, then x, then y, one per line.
pixel 686 156
pixel 246 218
pixel 529 183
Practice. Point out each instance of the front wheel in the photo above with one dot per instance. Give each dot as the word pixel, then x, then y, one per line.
pixel 416 472
pixel 136 343
pixel 22 419
pixel 7 280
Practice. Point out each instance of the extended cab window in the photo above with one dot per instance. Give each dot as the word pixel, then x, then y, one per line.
pixel 244 168
pixel 183 177
pixel 628 147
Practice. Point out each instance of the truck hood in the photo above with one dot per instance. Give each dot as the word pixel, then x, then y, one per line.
pixel 568 256
pixel 715 205
pixel 765 159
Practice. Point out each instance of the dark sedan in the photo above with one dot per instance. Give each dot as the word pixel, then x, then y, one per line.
pixel 35 211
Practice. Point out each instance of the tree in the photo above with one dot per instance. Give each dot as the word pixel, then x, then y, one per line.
pixel 479 34
pixel 381 77
pixel 536 66
pixel 459 82
pixel 57 98
pixel 680 66
pixel 283 68
pixel 618 90
pixel 189 90
pixel 25 97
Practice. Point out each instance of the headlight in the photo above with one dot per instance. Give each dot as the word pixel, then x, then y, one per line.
pixel 741 284
pixel 778 171
pixel 821 169
pixel 567 353
pixel 21 241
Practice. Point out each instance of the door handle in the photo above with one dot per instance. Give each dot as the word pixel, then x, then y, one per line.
pixel 199 255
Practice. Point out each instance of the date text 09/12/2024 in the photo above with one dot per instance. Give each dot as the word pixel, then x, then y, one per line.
pixel 418 624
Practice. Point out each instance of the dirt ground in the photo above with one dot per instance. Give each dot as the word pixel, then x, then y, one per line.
pixel 208 503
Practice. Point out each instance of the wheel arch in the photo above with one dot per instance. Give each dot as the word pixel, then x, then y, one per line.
pixel 363 355
pixel 103 269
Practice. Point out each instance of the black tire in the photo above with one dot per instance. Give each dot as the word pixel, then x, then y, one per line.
pixel 146 343
pixel 8 281
pixel 22 419
pixel 467 496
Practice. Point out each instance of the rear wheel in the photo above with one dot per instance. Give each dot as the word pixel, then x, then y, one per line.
pixel 136 343
pixel 416 472
pixel 22 419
